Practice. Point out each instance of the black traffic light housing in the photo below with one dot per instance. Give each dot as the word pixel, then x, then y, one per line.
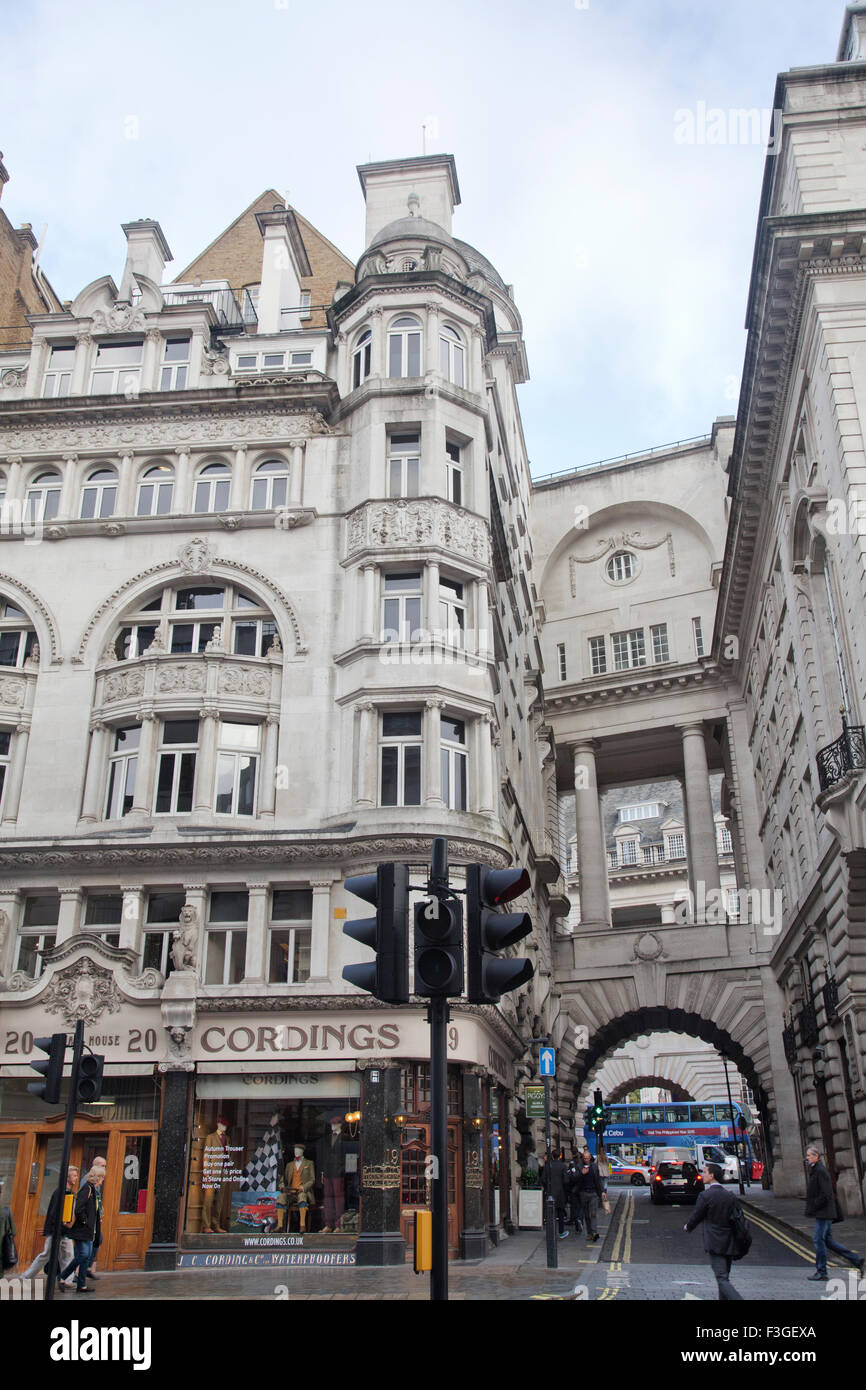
pixel 488 932
pixel 52 1068
pixel 90 1069
pixel 598 1123
pixel 439 947
pixel 387 977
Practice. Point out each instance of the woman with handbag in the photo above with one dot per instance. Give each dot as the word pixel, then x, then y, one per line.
pixel 8 1233
pixel 822 1203
pixel 85 1229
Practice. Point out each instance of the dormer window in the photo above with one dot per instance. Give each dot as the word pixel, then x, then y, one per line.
pixel 404 347
pixel 175 370
pixel 59 373
pixel 117 370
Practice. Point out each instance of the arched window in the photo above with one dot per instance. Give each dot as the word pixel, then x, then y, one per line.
pixel 43 497
pixel 212 488
pixel 155 491
pixel 17 635
pixel 270 487
pixel 362 358
pixel 99 494
pixel 404 346
pixel 185 620
pixel 451 355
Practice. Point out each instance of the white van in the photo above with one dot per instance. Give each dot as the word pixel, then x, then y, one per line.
pixel 712 1153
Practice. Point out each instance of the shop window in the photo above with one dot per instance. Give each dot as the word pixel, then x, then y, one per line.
pixel 290 936
pixel 37 932
pixel 243 1176
pixel 226 944
pixel 135 1175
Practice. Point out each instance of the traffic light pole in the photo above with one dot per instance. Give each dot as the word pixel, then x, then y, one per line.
pixel 549 1204
pixel 71 1103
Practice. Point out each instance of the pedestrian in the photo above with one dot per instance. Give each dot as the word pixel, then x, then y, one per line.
pixel 714 1208
pixel 590 1190
pixel 573 1193
pixel 8 1232
pixel 99 1163
pixel 66 1250
pixel 822 1204
pixel 553 1180
pixel 85 1229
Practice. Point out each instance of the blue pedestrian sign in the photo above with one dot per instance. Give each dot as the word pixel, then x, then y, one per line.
pixel 547 1062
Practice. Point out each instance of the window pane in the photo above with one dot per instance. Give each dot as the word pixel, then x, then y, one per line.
pixel 181 637
pixel 239 735
pixel 164 784
pixel 225 781
pixel 164 494
pixel 402 725
pixel 260 494
pixel 165 907
pixel 103 910
pixel 389 776
pixel 247 786
pixel 412 776
pixel 189 599
pixel 395 357
pixel 176 350
pixel 88 503
pixel 245 638
pixel 42 911
pixel 454 730
pixel 9 644
pixel 185 782
pixel 412 477
pixel 414 354
pixel 292 904
pixel 135 1175
pixel 145 499
pixel 229 906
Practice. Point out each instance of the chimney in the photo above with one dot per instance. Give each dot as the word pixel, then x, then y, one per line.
pixel 146 254
pixel 852 44
pixel 284 261
pixel 430 180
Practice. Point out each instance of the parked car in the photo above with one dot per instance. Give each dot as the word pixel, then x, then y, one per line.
pixel 674 1176
pixel 261 1214
pixel 638 1174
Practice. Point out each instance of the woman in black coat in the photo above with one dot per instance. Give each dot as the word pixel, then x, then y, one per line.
pixel 821 1203
pixel 86 1227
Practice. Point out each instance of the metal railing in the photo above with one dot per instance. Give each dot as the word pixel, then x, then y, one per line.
pixel 830 994
pixel 234 308
pixel 846 754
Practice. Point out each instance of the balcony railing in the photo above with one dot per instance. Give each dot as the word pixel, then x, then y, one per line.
pixel 235 309
pixel 808 1021
pixel 846 754
pixel 830 994
pixel 789 1041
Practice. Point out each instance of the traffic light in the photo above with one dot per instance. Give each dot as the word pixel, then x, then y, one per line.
pixel 489 931
pixel 52 1068
pixel 438 948
pixel 597 1123
pixel 90 1070
pixel 387 977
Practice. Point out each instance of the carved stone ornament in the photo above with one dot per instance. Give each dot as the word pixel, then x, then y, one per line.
pixel 648 947
pixel 148 979
pixel 13 376
pixel 422 523
pixel 196 556
pixel 622 541
pixel 214 363
pixel 118 319
pixel 11 691
pixel 82 991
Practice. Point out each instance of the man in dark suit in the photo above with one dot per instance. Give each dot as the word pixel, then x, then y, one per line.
pixel 713 1208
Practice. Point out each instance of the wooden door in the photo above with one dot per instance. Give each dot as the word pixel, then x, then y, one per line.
pixel 415 1186
pixel 127 1212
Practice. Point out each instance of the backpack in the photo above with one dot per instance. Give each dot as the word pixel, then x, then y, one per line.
pixel 741 1233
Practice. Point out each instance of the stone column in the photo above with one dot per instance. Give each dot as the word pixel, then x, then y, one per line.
pixel 485 763
pixel 15 780
pixel 69 915
pixel 256 963
pixel 473 1237
pixel 268 786
pixel 10 915
pixel 377 353
pixel 239 492
pixel 67 509
pixel 430 582
pixel 380 1241
pixel 788 1176
pixel 369 626
pixel 150 363
pixel 700 827
pixel 205 770
pixel 319 963
pixel 99 739
pixel 182 499
pixel 591 851
pixel 80 383
pixel 14 489
pixel 142 801
pixel 432 795
pixel 366 778
pixel 296 476
pixel 171 1166
pixel 126 486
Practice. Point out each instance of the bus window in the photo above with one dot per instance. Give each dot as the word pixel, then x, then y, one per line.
pixel 677 1114
pixel 724 1114
pixel 655 1114
pixel 704 1112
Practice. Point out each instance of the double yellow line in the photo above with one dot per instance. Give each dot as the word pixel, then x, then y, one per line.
pixel 798 1245
pixel 621 1247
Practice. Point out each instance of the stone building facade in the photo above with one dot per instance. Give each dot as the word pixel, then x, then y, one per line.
pixel 268 620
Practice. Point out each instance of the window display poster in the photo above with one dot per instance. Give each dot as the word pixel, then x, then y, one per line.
pixel 273 1165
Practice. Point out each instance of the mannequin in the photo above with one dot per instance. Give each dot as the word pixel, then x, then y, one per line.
pixel 296 1189
pixel 333 1171
pixel 214 1162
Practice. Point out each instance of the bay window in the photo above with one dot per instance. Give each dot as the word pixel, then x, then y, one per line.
pixel 404 347
pixel 122 771
pixel 290 936
pixel 404 464
pixel 237 769
pixel 401 607
pixel 401 747
pixel 176 767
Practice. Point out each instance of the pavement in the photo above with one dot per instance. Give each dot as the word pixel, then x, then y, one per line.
pixel 642 1255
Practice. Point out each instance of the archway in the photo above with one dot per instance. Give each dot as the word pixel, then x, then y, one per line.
pixel 639 1083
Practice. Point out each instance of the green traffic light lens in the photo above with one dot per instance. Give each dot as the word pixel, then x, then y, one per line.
pixel 434 968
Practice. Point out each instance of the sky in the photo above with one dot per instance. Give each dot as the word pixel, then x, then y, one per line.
pixel 580 130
